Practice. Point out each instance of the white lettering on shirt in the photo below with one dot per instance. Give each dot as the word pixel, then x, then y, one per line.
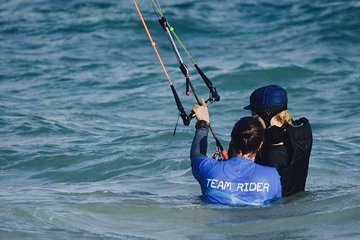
pixel 240 187
pixel 215 183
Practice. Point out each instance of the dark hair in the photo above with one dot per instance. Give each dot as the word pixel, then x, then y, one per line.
pixel 246 136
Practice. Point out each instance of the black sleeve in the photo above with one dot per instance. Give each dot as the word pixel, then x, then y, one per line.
pixel 199 144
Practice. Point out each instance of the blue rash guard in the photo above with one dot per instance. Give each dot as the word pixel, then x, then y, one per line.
pixel 236 181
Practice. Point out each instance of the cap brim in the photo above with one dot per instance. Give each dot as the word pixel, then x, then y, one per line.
pixel 248 107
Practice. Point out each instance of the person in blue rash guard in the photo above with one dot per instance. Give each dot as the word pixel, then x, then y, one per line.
pixel 238 180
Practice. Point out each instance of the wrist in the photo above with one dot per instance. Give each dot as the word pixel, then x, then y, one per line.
pixel 202 124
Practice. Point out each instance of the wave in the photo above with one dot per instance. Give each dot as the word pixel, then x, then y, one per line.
pixel 250 75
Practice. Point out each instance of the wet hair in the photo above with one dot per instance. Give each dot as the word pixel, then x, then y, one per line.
pixel 246 136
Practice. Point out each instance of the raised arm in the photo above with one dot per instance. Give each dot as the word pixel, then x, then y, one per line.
pixel 199 144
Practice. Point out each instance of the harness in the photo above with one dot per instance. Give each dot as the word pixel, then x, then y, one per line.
pixel 220 152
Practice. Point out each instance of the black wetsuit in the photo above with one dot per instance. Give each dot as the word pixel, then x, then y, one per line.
pixel 290 159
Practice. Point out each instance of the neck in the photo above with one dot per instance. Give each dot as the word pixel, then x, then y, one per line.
pixel 250 156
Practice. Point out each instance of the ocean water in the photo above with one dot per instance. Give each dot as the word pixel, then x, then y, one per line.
pixel 86 116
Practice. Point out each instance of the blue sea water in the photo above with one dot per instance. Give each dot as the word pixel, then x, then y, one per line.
pixel 86 116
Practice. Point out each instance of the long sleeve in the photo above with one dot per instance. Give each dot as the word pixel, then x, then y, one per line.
pixel 199 144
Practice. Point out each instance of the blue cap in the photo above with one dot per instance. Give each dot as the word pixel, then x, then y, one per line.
pixel 272 96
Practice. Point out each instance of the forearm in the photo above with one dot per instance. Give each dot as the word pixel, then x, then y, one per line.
pixel 199 144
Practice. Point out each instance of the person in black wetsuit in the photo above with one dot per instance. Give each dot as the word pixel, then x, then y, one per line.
pixel 288 143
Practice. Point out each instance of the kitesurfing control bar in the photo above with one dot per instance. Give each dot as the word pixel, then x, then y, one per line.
pixel 208 83
pixel 184 69
pixel 214 95
pixel 186 119
pixel 168 29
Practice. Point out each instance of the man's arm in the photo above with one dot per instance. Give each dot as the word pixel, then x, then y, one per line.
pixel 199 144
